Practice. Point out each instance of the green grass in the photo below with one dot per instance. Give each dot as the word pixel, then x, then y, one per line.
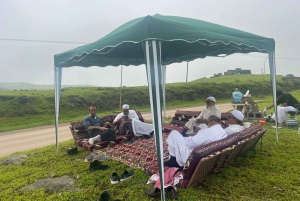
pixel 271 174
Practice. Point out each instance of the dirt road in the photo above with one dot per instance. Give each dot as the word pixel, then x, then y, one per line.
pixel 26 139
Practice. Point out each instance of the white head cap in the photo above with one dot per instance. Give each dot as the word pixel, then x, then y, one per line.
pixel 238 114
pixel 211 98
pixel 125 106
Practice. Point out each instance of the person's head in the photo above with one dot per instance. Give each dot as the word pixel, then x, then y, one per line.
pixel 210 101
pixel 125 108
pixel 92 111
pixel 279 94
pixel 236 117
pixel 213 120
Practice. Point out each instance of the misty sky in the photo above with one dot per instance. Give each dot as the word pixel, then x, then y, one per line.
pixel 88 21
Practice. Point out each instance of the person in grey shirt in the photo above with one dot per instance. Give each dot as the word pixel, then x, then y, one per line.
pixel 97 130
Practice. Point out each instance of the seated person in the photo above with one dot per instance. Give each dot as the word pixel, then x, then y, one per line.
pixel 128 122
pixel 180 147
pixel 235 122
pixel 209 110
pixel 97 131
pixel 196 129
pixel 288 104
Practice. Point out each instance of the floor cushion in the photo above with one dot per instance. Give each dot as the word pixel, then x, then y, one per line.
pixel 204 150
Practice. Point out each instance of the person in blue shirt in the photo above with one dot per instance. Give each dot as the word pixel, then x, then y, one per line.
pixel 97 130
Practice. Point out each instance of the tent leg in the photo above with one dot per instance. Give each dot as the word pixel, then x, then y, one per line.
pixel 272 66
pixel 154 74
pixel 121 85
pixel 57 89
pixel 164 89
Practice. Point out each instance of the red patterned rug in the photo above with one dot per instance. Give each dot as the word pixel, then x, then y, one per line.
pixel 137 153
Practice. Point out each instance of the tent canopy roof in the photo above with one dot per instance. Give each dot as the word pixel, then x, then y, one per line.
pixel 182 39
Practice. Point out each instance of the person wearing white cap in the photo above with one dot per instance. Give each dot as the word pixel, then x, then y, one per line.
pixel 138 128
pixel 235 122
pixel 180 147
pixel 210 109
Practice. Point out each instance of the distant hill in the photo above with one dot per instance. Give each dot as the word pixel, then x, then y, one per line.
pixel 29 108
pixel 24 85
pixel 2 89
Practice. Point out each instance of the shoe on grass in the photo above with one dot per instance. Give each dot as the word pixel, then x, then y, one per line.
pixel 90 157
pixel 100 167
pixel 96 165
pixel 154 193
pixel 127 174
pixel 171 193
pixel 72 151
pixel 104 196
pixel 114 178
pixel 100 157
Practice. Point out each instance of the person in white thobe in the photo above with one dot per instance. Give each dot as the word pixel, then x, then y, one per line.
pixel 288 104
pixel 180 147
pixel 139 128
pixel 235 122
pixel 209 110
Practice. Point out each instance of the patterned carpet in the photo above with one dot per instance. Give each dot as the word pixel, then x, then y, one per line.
pixel 137 153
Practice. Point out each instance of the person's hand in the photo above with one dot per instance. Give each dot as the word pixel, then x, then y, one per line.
pixel 196 128
pixel 265 110
pixel 126 118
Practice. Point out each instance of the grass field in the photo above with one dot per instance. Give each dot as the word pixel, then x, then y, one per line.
pixel 271 174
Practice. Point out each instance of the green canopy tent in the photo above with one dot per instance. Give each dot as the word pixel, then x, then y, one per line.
pixel 157 41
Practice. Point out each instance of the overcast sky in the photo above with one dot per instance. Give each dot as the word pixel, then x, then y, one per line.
pixel 88 21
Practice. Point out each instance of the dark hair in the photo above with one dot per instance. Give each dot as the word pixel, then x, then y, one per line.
pixel 91 106
pixel 239 122
pixel 278 93
pixel 214 118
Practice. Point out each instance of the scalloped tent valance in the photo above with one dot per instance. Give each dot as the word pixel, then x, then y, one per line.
pixel 182 39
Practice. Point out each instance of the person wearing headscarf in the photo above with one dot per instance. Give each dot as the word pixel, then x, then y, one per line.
pixel 210 109
pixel 288 104
pixel 180 147
pixel 235 122
pixel 128 122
